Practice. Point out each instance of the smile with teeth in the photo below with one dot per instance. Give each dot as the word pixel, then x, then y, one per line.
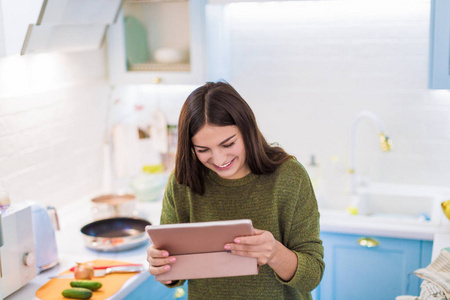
pixel 225 166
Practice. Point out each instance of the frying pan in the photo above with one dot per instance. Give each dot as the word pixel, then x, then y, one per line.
pixel 115 234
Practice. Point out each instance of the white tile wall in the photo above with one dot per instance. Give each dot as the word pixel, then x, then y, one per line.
pixel 308 67
pixel 52 125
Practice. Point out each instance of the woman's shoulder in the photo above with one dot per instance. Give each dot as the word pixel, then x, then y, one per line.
pixel 174 185
pixel 172 182
pixel 292 167
pixel 291 172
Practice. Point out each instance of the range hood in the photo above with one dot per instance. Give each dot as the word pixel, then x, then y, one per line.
pixel 71 25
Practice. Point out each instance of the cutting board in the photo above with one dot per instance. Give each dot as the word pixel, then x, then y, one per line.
pixel 111 283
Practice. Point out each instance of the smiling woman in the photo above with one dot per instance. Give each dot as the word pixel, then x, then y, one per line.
pixel 224 150
pixel 225 170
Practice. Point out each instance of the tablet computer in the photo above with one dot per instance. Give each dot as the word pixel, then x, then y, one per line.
pixel 199 249
pixel 199 237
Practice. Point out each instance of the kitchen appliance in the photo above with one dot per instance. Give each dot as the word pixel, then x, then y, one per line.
pixel 17 253
pixel 115 234
pixel 45 222
pixel 1 244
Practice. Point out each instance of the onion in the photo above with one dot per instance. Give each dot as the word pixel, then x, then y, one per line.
pixel 84 271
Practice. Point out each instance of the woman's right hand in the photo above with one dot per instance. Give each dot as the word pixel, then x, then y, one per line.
pixel 159 261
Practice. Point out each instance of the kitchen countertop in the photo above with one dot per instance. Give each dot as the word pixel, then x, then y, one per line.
pixel 343 222
pixel 71 246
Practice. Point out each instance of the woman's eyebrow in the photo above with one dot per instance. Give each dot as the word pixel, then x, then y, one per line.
pixel 226 140
pixel 221 143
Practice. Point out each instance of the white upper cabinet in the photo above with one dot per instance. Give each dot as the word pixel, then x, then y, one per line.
pixel 158 42
pixel 15 17
pixel 34 26
pixel 76 12
pixel 439 65
pixel 70 25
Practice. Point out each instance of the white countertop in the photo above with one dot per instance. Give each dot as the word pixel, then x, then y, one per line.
pixel 71 246
pixel 343 222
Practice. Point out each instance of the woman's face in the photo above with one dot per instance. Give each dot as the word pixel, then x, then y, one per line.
pixel 221 149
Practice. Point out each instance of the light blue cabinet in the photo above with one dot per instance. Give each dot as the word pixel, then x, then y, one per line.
pixel 439 63
pixel 151 289
pixel 378 268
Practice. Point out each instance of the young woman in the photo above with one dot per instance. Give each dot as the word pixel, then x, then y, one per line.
pixel 226 170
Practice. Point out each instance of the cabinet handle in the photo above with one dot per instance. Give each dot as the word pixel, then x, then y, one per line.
pixel 179 292
pixel 368 242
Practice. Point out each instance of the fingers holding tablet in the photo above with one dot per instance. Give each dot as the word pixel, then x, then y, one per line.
pixel 159 260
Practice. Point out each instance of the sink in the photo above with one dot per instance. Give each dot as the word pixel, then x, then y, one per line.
pixel 395 203
pixel 400 202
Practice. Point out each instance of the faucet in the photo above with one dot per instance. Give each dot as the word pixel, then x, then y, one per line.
pixel 385 144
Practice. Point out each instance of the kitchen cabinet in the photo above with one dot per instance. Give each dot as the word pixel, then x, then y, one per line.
pixel 158 41
pixel 358 267
pixel 15 17
pixel 70 25
pixel 151 289
pixel 439 61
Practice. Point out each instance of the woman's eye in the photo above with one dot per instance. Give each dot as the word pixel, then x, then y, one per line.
pixel 202 151
pixel 229 145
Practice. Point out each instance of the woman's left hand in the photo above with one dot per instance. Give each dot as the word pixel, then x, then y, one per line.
pixel 261 245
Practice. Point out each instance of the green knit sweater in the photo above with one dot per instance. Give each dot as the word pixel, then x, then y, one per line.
pixel 282 203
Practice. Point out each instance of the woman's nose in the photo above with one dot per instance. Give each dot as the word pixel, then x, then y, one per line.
pixel 219 158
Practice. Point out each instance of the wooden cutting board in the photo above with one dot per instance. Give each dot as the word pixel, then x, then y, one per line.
pixel 111 283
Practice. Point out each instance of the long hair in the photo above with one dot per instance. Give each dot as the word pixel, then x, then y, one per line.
pixel 219 104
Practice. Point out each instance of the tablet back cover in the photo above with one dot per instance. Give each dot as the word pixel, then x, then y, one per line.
pixel 200 237
pixel 199 249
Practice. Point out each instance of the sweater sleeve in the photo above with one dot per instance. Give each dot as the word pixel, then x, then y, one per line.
pixel 169 215
pixel 303 238
pixel 168 212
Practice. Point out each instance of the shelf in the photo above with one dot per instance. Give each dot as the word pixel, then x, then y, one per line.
pixel 151 67
pixel 153 1
pixel 147 26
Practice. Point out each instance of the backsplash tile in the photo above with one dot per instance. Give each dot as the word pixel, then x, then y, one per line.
pixel 305 67
pixel 308 67
pixel 51 135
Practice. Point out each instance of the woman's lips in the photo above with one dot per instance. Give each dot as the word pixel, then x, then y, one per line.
pixel 225 166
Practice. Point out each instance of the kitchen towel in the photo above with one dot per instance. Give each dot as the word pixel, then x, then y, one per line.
pixel 110 283
pixel 437 273
pixel 430 291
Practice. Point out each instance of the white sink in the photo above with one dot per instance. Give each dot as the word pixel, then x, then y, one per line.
pixel 396 203
pixel 400 202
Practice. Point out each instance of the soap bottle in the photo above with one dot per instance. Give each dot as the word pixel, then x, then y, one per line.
pixel 5 200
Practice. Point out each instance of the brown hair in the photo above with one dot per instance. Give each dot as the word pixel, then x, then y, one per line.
pixel 220 104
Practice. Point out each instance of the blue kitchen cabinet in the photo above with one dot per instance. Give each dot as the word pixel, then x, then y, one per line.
pixel 376 268
pixel 151 289
pixel 439 62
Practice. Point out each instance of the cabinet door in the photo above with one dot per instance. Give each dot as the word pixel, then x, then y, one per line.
pixel 151 289
pixel 439 63
pixel 355 270
pixel 152 25
pixel 15 17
